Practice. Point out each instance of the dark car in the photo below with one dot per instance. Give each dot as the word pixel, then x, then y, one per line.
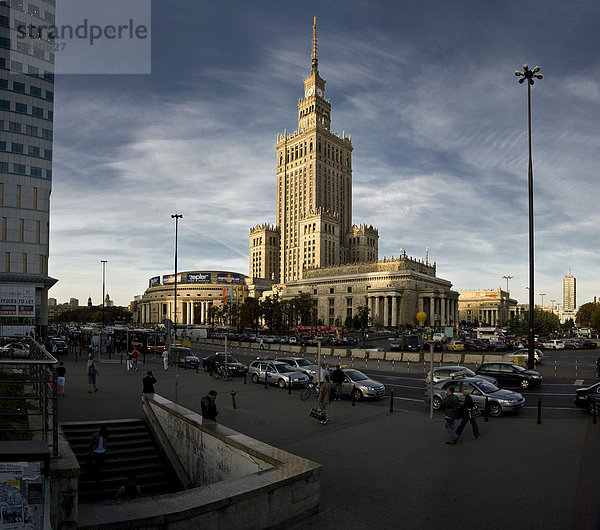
pixel 216 359
pixel 412 343
pixel 396 345
pixel 498 346
pixel 589 344
pixel 588 398
pixel 510 374
pixel 59 347
pixel 475 345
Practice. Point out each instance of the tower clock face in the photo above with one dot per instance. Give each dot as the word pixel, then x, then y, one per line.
pixel 310 92
pixel 319 92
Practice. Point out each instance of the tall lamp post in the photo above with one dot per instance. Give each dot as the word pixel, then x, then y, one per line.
pixel 529 75
pixel 507 297
pixel 542 295
pixel 176 216
pixel 103 261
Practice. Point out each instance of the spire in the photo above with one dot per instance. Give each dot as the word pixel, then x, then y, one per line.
pixel 315 61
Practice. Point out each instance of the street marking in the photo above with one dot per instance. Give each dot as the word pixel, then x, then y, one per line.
pixel 578 382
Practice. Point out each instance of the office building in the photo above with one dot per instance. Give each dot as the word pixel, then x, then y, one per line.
pixel 569 292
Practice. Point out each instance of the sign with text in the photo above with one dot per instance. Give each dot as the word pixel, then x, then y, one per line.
pixel 17 300
pixel 154 281
pixel 227 277
pixel 198 277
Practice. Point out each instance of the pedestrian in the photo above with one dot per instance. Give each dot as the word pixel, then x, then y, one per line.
pixel 128 361
pixel 165 357
pixel 135 356
pixel 61 373
pixel 469 411
pixel 323 398
pixel 129 490
pixel 452 407
pixel 261 346
pixel 97 451
pixel 148 383
pixel 337 378
pixel 207 404
pixel 92 371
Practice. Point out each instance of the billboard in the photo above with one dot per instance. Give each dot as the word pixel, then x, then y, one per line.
pixel 17 300
pixel 168 278
pixel 154 281
pixel 228 277
pixel 198 277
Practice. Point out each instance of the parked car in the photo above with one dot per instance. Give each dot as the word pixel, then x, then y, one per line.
pixel 456 372
pixel 498 400
pixel 277 373
pixel 538 355
pixel 455 345
pixel 573 344
pixel 15 349
pixel 217 359
pixel 589 344
pixel 475 345
pixel 588 398
pixel 510 374
pixel 412 343
pixel 554 344
pixel 361 385
pixel 498 346
pixel 303 365
pixel 61 347
pixel 184 356
pixel 396 345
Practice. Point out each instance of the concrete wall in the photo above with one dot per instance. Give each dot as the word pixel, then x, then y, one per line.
pixel 64 486
pixel 261 486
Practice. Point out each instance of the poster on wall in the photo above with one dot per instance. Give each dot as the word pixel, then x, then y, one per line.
pixel 154 281
pixel 198 277
pixel 17 300
pixel 21 495
pixel 227 277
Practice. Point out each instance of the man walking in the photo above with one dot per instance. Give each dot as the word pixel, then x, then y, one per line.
pixel 323 398
pixel 135 356
pixel 165 357
pixel 92 371
pixel 61 373
pixel 148 383
pixel 337 378
pixel 451 405
pixel 207 404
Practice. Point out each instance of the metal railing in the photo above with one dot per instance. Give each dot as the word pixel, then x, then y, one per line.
pixel 28 395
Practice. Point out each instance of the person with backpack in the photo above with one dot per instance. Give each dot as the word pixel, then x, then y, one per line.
pixel 92 371
pixel 451 405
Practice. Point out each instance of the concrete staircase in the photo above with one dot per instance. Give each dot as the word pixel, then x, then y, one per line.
pixel 131 449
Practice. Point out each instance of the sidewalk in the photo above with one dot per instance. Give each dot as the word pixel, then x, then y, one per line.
pixel 382 469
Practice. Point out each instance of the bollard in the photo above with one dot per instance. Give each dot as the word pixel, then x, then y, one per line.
pixel 554 368
pixel 377 364
pixel 595 412
pixel 575 368
pixel 352 361
pixel 266 380
pixel 392 365
pixel 233 398
pixel 339 359
pixel 245 376
pixel 392 400
pixel 290 386
pixel 366 360
pixel 486 419
pixel 539 420
pixel 353 395
pixel 408 365
pixel 424 367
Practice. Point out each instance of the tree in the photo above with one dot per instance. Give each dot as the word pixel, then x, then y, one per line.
pixel 545 322
pixel 584 313
pixel 596 319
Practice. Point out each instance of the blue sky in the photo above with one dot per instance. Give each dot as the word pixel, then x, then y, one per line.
pixel 438 122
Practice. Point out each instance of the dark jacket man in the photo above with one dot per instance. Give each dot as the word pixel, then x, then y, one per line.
pixel 207 404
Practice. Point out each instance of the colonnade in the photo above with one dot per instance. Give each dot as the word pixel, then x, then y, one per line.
pixel 196 312
pixel 441 310
pixel 385 309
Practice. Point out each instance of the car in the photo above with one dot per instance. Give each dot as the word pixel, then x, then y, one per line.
pixel 475 345
pixel 277 373
pixel 412 343
pixel 303 365
pixel 15 349
pixel 573 344
pixel 219 358
pixel 589 344
pixel 510 374
pixel 362 386
pixel 61 347
pixel 554 344
pixel 455 345
pixel 455 372
pixel 589 398
pixel 184 356
pixel 293 340
pixel 538 355
pixel 498 400
pixel 396 345
pixel 498 346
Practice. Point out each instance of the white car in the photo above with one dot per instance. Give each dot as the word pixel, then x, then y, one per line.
pixel 554 345
pixel 538 355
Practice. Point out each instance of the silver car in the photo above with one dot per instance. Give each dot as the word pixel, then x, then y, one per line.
pixel 303 365
pixel 498 400
pixel 277 373
pixel 455 372
pixel 362 386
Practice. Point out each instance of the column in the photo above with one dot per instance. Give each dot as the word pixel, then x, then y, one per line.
pixel 201 312
pixel 394 311
pixel 386 312
pixel 193 319
pixel 442 310
pixel 420 303
pixel 431 310
pixel 370 306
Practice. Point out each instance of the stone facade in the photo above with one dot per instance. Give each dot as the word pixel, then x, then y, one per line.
pixel 487 306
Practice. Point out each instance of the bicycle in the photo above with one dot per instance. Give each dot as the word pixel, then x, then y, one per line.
pixel 222 372
pixel 311 388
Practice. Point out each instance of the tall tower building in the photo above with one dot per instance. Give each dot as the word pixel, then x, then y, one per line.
pixel 26 118
pixel 314 194
pixel 569 292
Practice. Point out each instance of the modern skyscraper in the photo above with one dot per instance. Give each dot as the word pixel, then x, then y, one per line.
pixel 314 196
pixel 569 292
pixel 26 118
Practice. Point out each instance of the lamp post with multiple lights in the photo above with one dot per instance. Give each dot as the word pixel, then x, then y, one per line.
pixel 176 216
pixel 542 295
pixel 103 261
pixel 507 297
pixel 529 75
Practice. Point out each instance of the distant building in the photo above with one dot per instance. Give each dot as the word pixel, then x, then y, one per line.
pixel 51 302
pixel 74 302
pixel 107 301
pixel 569 292
pixel 487 306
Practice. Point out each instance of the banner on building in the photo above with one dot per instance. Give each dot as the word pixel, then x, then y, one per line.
pixel 168 278
pixel 154 281
pixel 17 300
pixel 227 277
pixel 224 295
pixel 198 277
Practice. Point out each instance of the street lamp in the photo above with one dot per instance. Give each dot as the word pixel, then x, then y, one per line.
pixel 529 75
pixel 176 216
pixel 507 278
pixel 507 297
pixel 103 261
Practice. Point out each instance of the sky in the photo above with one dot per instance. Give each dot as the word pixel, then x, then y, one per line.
pixel 426 89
